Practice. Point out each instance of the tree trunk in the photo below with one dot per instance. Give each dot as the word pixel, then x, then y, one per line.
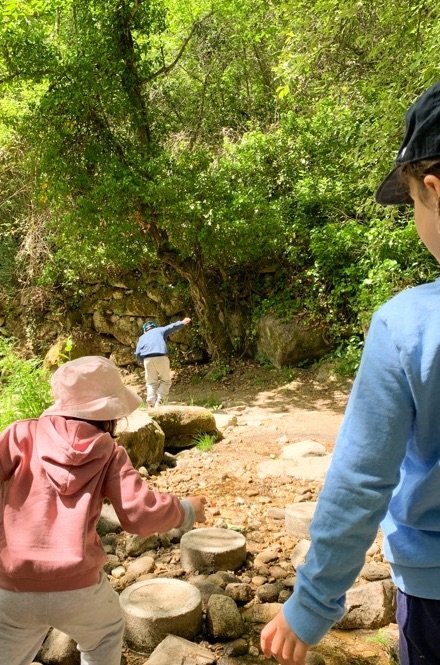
pixel 204 288
pixel 210 309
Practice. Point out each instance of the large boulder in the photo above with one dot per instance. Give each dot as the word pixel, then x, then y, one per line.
pixel 75 344
pixel 287 344
pixel 182 424
pixel 143 439
pixel 369 606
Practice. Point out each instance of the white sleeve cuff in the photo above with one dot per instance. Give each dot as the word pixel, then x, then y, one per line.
pixel 190 516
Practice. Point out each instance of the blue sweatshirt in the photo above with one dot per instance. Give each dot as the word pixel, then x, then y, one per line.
pixel 153 342
pixel 385 467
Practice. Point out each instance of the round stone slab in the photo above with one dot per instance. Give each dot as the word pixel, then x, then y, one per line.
pixel 155 608
pixel 298 517
pixel 212 549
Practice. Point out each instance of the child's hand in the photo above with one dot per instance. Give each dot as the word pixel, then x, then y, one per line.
pixel 198 503
pixel 278 640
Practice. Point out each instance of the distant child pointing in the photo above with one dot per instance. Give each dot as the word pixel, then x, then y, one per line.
pixel 55 472
pixel 152 351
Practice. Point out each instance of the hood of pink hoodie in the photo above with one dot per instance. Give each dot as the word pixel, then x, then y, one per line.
pixel 72 452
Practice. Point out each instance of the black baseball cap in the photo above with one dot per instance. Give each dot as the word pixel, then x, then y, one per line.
pixel 422 141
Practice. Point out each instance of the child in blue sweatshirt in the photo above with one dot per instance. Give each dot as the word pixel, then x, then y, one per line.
pixel 386 465
pixel 152 352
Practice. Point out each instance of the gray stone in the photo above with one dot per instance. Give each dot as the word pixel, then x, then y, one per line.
pixel 262 613
pixel 268 593
pixel 240 592
pixel 369 606
pixel 123 328
pixel 301 449
pixel 108 521
pixel 207 589
pixel 154 608
pixel 227 577
pixel 223 618
pixel 299 516
pixel 143 439
pixel 135 545
pixel 310 468
pixel 212 549
pixel 140 566
pixel 300 552
pixel 237 648
pixel 182 424
pixel 290 343
pixel 284 595
pixel 59 649
pixel 375 570
pixel 112 562
pixel 175 650
pixel 266 556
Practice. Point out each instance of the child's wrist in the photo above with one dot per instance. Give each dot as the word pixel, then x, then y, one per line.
pixel 189 515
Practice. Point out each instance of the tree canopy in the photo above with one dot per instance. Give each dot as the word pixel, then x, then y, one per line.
pixel 213 138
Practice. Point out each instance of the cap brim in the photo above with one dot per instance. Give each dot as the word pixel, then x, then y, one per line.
pixel 393 190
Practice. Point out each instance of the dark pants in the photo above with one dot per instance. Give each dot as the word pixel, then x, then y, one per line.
pixel 419 630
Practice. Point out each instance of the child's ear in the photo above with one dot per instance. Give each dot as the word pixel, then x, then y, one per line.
pixel 432 183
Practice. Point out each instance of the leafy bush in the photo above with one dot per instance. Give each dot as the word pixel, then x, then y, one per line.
pixel 25 388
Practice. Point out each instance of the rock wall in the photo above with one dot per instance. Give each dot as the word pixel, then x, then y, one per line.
pixel 103 318
pixel 107 319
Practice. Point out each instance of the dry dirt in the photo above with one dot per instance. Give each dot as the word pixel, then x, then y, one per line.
pixel 272 407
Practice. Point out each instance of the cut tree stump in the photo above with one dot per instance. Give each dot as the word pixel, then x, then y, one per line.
pixel 212 549
pixel 155 608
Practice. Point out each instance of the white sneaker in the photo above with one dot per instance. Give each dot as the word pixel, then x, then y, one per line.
pixel 158 400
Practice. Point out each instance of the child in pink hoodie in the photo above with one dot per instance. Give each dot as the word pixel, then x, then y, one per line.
pixel 55 472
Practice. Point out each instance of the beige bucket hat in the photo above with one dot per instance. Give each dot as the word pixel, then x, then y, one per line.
pixel 91 388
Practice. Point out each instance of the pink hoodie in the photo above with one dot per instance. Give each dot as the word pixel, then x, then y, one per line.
pixel 54 476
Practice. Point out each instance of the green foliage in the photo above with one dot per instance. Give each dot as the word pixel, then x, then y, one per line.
pixel 208 402
pixel 347 355
pixel 384 640
pixel 25 389
pixel 66 354
pixel 218 371
pixel 205 442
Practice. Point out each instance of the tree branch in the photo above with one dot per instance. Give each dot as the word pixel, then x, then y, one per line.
pixel 167 68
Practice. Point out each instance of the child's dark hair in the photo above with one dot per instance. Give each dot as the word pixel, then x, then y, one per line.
pixel 108 426
pixel 418 170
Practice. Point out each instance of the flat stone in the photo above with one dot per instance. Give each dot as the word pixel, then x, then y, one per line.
pixel 261 613
pixel 212 549
pixel 307 448
pixel 178 651
pixel 299 516
pixel 154 608
pixel 300 552
pixel 303 468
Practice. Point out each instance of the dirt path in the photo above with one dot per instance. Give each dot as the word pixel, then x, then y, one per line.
pixel 268 409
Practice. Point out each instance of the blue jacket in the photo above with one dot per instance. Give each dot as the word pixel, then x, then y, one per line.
pixel 153 342
pixel 386 467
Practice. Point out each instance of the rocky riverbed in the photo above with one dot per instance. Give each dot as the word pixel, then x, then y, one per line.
pixel 278 434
